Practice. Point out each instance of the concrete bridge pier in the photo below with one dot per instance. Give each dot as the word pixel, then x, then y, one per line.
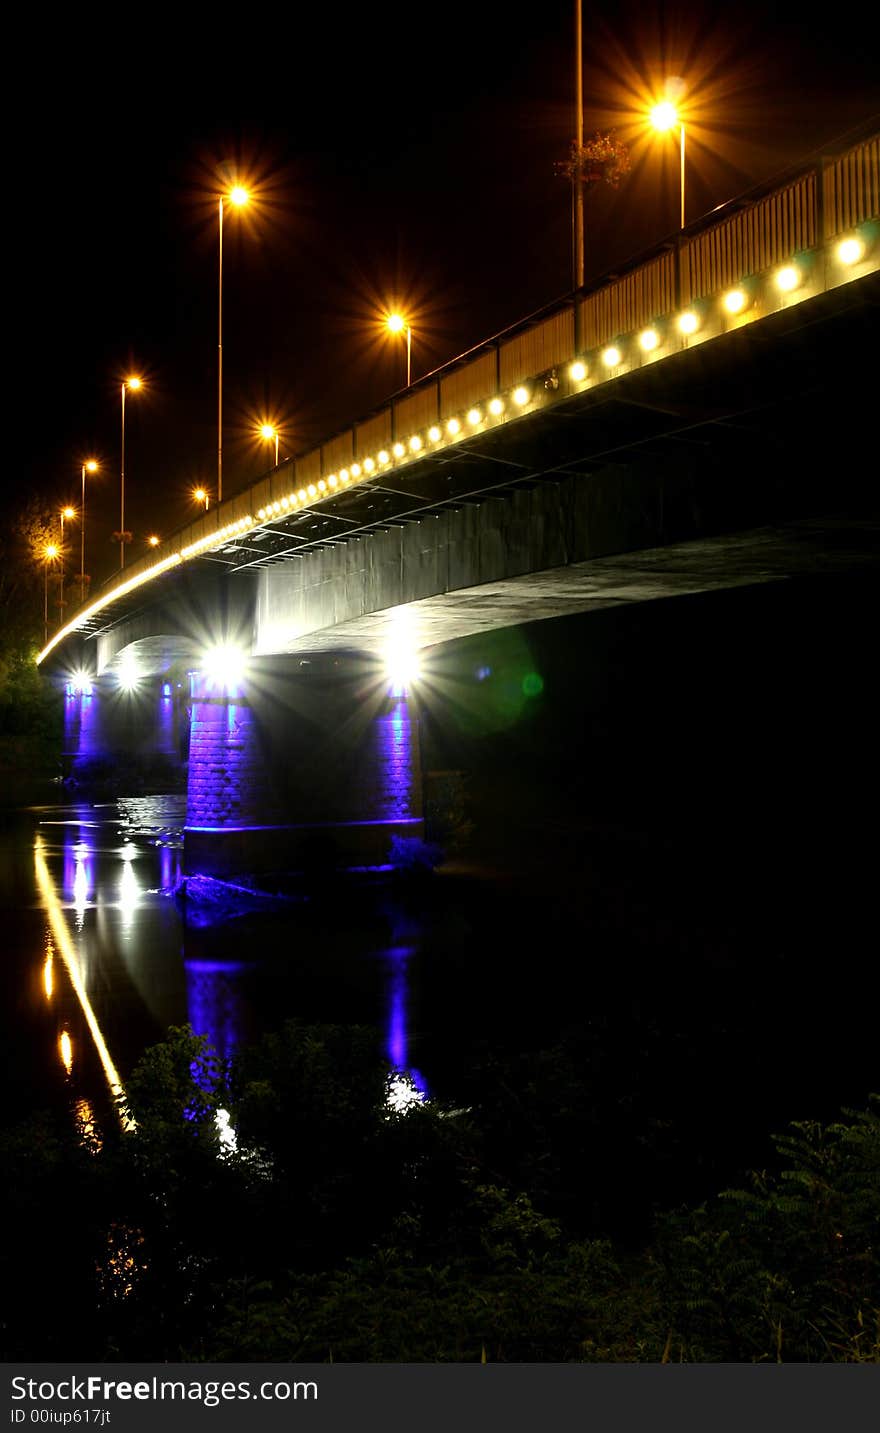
pixel 303 764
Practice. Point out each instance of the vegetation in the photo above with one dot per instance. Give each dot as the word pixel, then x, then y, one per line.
pixel 341 1228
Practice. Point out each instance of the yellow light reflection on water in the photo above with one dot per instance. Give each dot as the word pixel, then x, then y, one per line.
pixel 48 982
pixel 65 1050
pixel 87 1125
pixel 67 952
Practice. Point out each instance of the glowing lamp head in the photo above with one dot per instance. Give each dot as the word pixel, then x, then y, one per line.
pixel 50 551
pixel 91 466
pixel 129 675
pixel 453 427
pixel 402 668
pixel 850 251
pixel 434 434
pixel 611 357
pixel 153 541
pixel 520 397
pixel 68 513
pixel 133 383
pixel 496 407
pixel 578 372
pixel 688 323
pixel 475 417
pixel 267 431
pixel 395 323
pixel 238 196
pixel 664 115
pixel 224 665
pixel 788 278
pixel 199 494
pixel 415 443
pixel 398 450
pixel 649 339
pixel 735 301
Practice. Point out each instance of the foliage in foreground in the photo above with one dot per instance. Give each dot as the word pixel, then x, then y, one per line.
pixel 340 1229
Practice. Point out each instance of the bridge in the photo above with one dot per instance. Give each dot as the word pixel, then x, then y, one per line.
pixel 699 419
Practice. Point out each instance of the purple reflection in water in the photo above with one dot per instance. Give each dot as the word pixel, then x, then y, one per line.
pixel 169 867
pixel 397 1037
pixel 214 1002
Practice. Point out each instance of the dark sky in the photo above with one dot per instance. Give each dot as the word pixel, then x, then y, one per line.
pixel 400 153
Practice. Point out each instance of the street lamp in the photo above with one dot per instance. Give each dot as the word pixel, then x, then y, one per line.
pixel 268 432
pixel 664 116
pixel 88 467
pixel 201 496
pixel 50 552
pixel 396 323
pixel 66 515
pixel 133 384
pixel 237 197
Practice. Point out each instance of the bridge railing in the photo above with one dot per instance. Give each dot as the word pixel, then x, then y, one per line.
pixel 796 217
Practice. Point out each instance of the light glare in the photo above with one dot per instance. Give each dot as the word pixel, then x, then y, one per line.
pixel 849 251
pixel 664 115
pixel 788 278
pixel 224 664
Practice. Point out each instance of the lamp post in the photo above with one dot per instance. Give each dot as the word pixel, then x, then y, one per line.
pixel 577 182
pixel 268 432
pixel 66 514
pixel 134 384
pixel 664 116
pixel 50 552
pixel 88 467
pixel 396 323
pixel 238 197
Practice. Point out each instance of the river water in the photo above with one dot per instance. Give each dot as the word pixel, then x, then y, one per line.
pixel 686 1028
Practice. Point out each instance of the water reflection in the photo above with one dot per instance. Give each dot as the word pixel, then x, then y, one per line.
pixel 87 1125
pixel 407 1085
pixel 117 940
pixel 82 881
pixel 65 948
pixel 215 1004
pixel 129 889
pixel 65 1050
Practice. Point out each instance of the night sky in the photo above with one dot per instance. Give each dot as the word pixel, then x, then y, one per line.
pixel 400 155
